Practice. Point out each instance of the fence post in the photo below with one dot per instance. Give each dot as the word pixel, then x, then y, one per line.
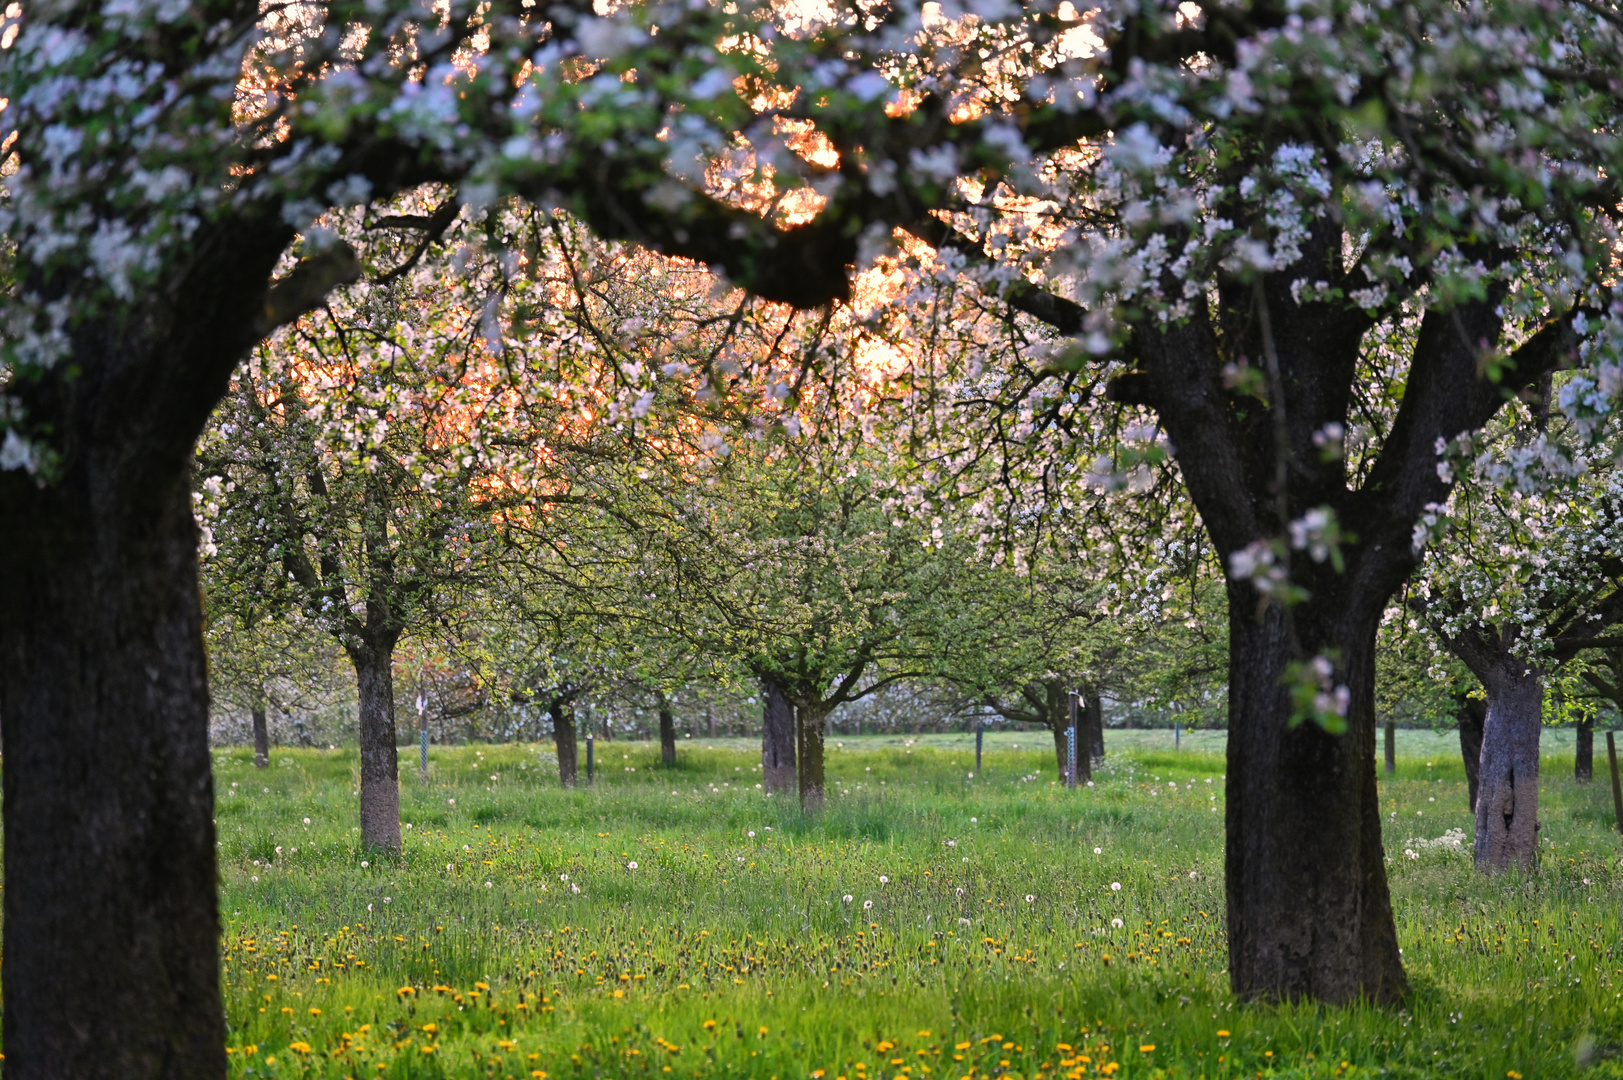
pixel 980 737
pixel 1177 735
pixel 590 763
pixel 422 738
pixel 1617 790
pixel 1070 742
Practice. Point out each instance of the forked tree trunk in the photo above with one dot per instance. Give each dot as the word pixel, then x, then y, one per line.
pixel 1309 914
pixel 667 734
pixel 777 740
pixel 809 723
pixel 1583 761
pixel 111 926
pixel 1472 713
pixel 1507 802
pixel 380 756
pixel 261 735
pixel 563 739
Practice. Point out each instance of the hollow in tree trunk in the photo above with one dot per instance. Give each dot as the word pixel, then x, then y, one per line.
pixel 1583 761
pixel 667 734
pixel 810 727
pixel 380 757
pixel 1507 801
pixel 261 734
pixel 1472 712
pixel 777 740
pixel 1309 914
pixel 563 738
pixel 111 924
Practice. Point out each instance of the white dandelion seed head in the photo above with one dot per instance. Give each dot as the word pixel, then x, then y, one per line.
pixel 752 834
pixel 1030 898
pixel 563 877
pixel 847 898
pixel 307 821
pixel 487 884
pixel 1115 886
pixel 867 905
pixel 1098 851
pixel 364 864
pixel 574 888
pixel 631 865
pixel 883 880
pixel 1116 923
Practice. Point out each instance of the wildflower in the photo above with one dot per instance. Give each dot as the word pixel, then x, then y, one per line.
pixel 1193 875
pixel 1098 851
pixel 1030 898
pixel 867 905
pixel 487 884
pixel 563 877
pixel 952 843
pixel 974 821
pixel 307 821
pixel 254 878
pixel 847 898
pixel 1222 1034
pixel 1116 923
pixel 299 1047
pixel 972 776
pixel 449 866
pixel 883 880
pixel 364 864
pixel 1115 886
pixel 963 922
pixel 573 887
pixel 1146 1048
pixel 710 1025
pixel 752 834
pixel 631 865
pixel 315 1012
pixel 451 801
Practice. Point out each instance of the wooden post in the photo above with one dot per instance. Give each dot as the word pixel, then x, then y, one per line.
pixel 1617 790
pixel 1177 735
pixel 422 738
pixel 980 737
pixel 1391 747
pixel 590 746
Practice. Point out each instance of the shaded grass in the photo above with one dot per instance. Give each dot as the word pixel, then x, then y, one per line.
pixel 753 933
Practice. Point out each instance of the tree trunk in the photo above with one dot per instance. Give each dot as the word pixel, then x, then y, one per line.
pixel 1583 762
pixel 111 923
pixel 777 740
pixel 1060 748
pixel 810 725
pixel 1472 712
pixel 1309 914
pixel 1093 708
pixel 261 735
pixel 563 738
pixel 667 734
pixel 380 756
pixel 1507 803
pixel 1391 748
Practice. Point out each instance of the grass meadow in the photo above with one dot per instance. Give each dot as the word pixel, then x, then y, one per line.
pixel 928 924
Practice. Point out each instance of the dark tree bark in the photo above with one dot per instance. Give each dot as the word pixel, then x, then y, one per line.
pixel 667 734
pixel 1583 762
pixel 563 738
pixel 1391 748
pixel 809 726
pixel 1507 786
pixel 1309 913
pixel 380 756
pixel 777 740
pixel 111 928
pixel 1093 709
pixel 1472 713
pixel 261 734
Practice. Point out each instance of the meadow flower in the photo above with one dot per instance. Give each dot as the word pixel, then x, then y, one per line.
pixel 450 866
pixel 1098 851
pixel 752 834
pixel 883 880
pixel 847 898
pixel 1030 898
pixel 307 821
pixel 364 864
pixel 574 888
pixel 1116 923
pixel 487 884
pixel 867 905
pixel 974 821
pixel 1115 886
pixel 563 877
pixel 631 865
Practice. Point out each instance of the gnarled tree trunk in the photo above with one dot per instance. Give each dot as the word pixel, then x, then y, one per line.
pixel 1507 803
pixel 1093 712
pixel 1309 914
pixel 111 925
pixel 777 740
pixel 563 738
pixel 380 756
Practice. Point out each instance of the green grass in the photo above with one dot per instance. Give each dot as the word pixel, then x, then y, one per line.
pixel 991 922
